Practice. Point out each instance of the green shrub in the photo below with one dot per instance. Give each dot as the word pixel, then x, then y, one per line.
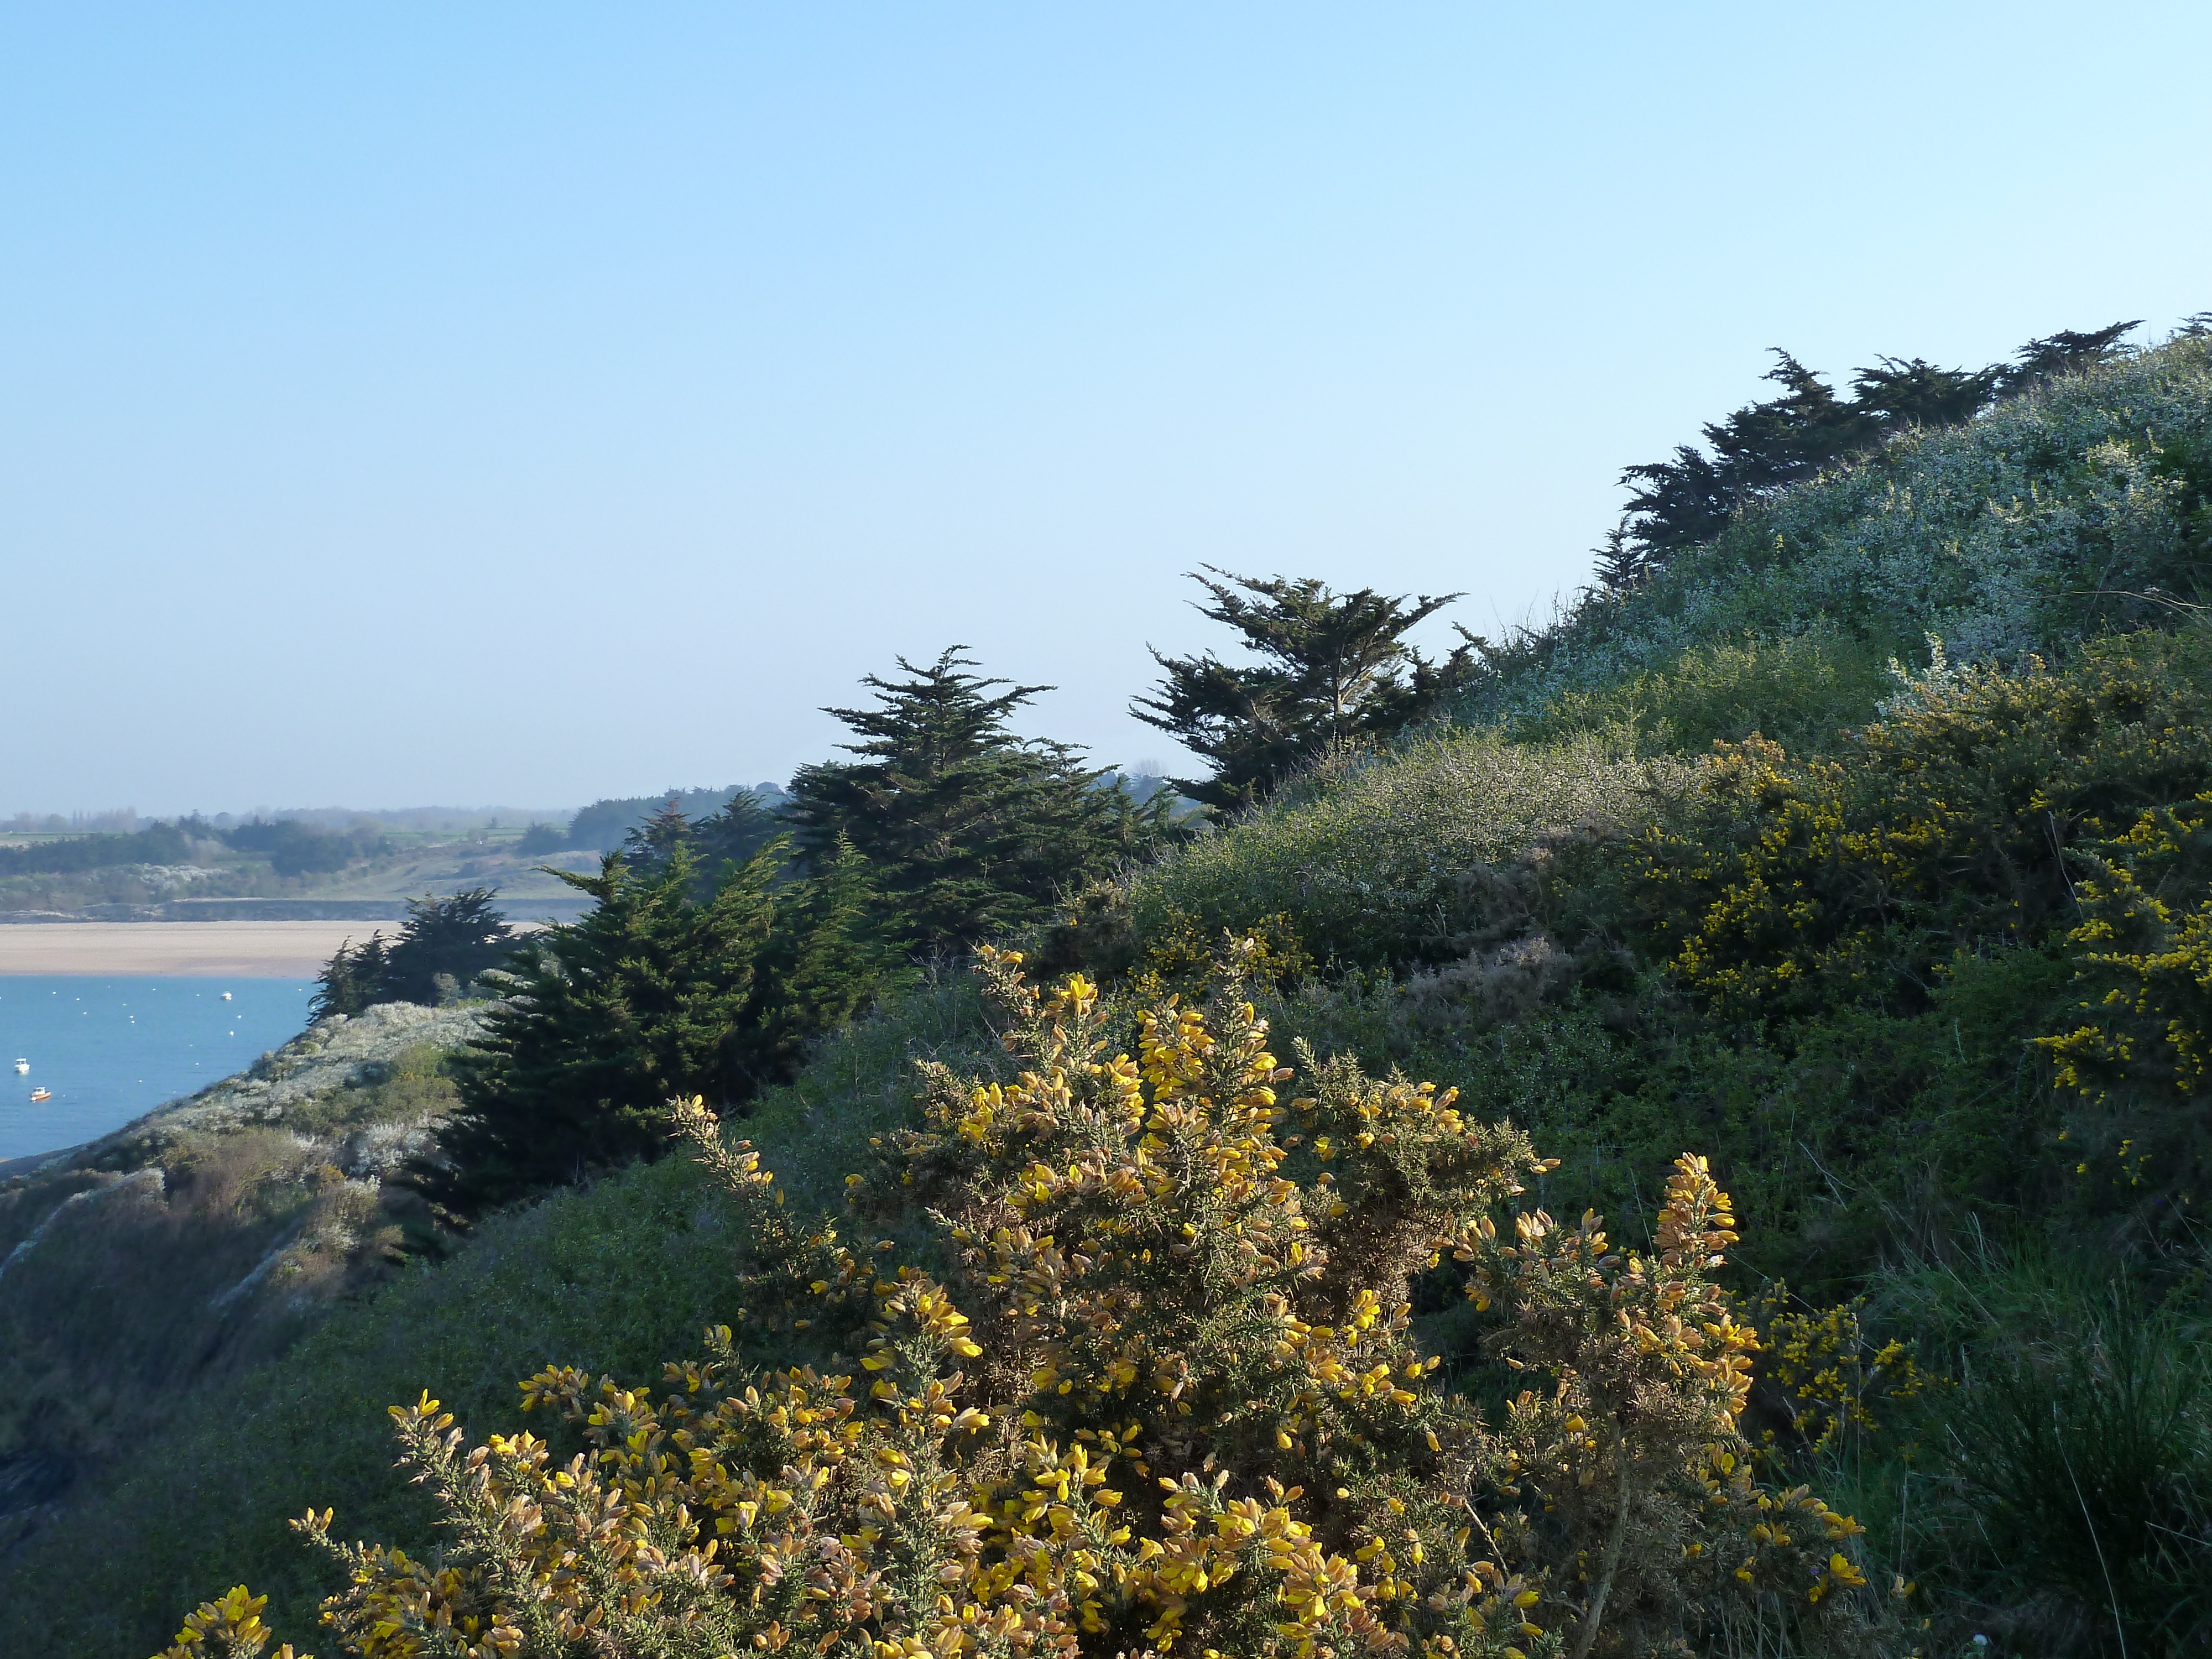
pixel 1799 690
pixel 2042 523
pixel 1185 1415
pixel 1394 861
pixel 1945 825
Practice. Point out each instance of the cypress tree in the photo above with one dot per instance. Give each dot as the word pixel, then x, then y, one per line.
pixel 352 979
pixel 463 936
pixel 966 829
pixel 831 959
pixel 1333 669
pixel 647 997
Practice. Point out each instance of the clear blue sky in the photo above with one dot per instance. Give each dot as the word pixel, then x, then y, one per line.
pixel 407 404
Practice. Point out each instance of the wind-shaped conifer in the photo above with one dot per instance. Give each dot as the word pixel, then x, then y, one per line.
pixel 1333 669
pixel 966 828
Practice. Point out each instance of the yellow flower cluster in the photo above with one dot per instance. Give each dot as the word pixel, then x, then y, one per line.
pixel 1182 953
pixel 1164 1400
pixel 1831 1374
pixel 2149 948
pixel 229 1627
pixel 1947 825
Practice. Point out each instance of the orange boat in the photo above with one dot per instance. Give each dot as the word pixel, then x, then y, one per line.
pixel 38 1094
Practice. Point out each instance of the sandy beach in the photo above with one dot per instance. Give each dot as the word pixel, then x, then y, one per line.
pixel 275 950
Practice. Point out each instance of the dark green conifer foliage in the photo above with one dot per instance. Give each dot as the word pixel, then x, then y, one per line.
pixel 463 936
pixel 351 980
pixel 2066 352
pixel 830 960
pixel 967 829
pixel 649 996
pixel 652 843
pixel 1900 395
pixel 1766 447
pixel 1333 669
pixel 733 834
pixel 717 843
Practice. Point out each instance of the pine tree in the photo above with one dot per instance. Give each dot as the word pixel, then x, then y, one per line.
pixel 966 829
pixel 647 997
pixel 1333 670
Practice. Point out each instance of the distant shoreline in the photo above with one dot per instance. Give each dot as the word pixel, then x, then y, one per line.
pixel 238 950
pixel 560 906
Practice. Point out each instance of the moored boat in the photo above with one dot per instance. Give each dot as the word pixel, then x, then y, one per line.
pixel 38 1094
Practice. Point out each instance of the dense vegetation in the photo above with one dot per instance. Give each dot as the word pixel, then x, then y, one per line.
pixel 444 946
pixel 1913 955
pixel 158 843
pixel 715 950
pixel 182 857
pixel 1764 448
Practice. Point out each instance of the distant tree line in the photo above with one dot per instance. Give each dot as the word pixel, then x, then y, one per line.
pixel 291 848
pixel 159 843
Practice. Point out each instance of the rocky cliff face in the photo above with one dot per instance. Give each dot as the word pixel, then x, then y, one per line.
pixel 312 1070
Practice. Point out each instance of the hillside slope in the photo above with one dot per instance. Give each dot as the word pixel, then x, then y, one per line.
pixel 202 1238
pixel 1848 967
pixel 2051 517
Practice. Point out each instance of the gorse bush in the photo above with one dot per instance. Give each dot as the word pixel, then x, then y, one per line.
pixel 1945 826
pixel 1161 1395
pixel 2147 934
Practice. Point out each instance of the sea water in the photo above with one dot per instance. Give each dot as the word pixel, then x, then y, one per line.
pixel 112 1049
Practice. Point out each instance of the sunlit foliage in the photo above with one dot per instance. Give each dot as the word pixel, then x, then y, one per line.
pixel 1162 1397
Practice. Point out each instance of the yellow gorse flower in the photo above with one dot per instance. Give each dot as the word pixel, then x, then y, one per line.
pixel 1164 1397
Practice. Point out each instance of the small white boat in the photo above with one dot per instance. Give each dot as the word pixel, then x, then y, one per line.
pixel 38 1094
pixel 226 996
pixel 22 1066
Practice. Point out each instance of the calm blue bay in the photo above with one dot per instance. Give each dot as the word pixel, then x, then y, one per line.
pixel 110 1049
